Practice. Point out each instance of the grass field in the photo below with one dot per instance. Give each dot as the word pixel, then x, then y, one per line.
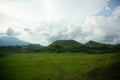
pixel 69 66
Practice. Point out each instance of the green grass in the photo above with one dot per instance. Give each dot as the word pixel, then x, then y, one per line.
pixel 50 66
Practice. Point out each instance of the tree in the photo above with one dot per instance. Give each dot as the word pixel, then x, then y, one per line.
pixel 58 48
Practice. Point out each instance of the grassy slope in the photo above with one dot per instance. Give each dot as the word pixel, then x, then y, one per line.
pixel 93 44
pixel 65 43
pixel 56 66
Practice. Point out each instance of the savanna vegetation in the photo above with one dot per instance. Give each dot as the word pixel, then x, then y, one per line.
pixel 51 66
pixel 61 60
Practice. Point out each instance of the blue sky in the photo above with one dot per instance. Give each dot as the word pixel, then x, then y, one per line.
pixel 111 5
pixel 44 21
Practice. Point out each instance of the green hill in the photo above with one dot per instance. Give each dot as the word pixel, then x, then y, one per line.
pixel 94 44
pixel 65 43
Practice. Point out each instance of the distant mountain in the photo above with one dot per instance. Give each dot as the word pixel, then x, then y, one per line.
pixel 65 43
pixel 93 43
pixel 11 41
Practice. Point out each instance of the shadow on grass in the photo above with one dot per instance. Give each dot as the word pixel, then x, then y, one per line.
pixel 3 75
pixel 109 72
pixel 2 55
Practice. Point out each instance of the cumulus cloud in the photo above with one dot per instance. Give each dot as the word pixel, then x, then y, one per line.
pixel 10 32
pixel 44 21
pixel 98 28
pixel 63 31
pixel 102 28
pixel 116 12
pixel 72 11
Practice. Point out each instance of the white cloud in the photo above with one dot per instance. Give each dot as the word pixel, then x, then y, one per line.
pixel 63 31
pixel 73 11
pixel 43 21
pixel 103 27
pixel 116 12
pixel 107 8
pixel 11 32
pixel 26 11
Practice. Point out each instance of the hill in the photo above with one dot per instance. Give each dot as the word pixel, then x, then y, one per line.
pixel 11 41
pixel 65 43
pixel 63 46
pixel 94 44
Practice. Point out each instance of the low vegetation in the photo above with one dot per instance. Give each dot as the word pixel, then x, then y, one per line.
pixel 51 66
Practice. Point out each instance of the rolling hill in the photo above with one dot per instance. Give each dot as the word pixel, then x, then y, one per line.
pixel 94 44
pixel 66 43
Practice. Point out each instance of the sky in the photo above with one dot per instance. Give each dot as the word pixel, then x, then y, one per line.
pixel 45 21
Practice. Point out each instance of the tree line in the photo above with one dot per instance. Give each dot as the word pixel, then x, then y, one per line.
pixel 61 49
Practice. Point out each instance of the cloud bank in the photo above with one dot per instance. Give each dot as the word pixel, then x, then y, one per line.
pixel 44 21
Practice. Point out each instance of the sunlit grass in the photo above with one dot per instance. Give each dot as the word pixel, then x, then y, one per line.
pixel 48 66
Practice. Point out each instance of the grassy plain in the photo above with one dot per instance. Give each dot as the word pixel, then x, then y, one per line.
pixel 65 66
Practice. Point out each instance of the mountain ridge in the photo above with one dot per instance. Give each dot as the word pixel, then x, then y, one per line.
pixel 11 41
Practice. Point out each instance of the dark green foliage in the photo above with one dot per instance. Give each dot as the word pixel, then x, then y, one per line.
pixel 62 46
pixel 111 72
pixel 106 72
pixel 89 47
pixel 10 49
pixel 21 49
pixel 2 55
pixel 32 48
pixel 58 49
